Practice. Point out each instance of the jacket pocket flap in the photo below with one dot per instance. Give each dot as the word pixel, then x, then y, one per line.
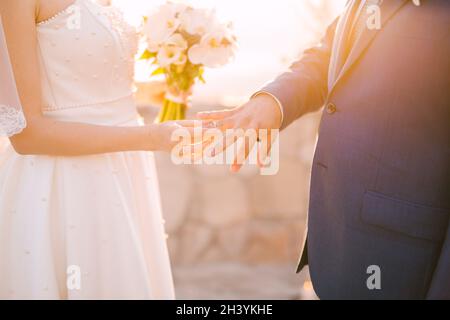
pixel 401 216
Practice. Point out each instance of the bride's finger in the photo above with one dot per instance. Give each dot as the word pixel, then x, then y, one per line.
pixel 194 152
pixel 188 135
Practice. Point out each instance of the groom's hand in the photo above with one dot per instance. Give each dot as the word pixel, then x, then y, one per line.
pixel 261 112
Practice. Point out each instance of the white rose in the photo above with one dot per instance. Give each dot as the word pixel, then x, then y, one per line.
pixel 215 48
pixel 197 21
pixel 172 51
pixel 160 25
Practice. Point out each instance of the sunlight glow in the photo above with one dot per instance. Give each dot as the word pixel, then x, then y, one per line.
pixel 271 34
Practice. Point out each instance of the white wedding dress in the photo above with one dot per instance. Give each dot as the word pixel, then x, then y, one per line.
pixel 95 216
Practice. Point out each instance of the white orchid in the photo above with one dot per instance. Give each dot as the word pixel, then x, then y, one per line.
pixel 215 49
pixel 172 51
pixel 160 25
pixel 197 21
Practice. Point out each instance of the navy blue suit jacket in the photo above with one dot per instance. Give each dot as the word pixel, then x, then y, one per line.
pixel 380 188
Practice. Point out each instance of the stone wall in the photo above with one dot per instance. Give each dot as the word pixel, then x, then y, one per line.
pixel 215 217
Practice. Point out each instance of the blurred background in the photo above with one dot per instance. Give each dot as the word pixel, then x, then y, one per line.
pixel 239 236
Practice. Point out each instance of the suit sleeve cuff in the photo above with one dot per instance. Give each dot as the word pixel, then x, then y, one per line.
pixel 280 106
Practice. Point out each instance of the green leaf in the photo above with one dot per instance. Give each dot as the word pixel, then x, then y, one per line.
pixel 201 71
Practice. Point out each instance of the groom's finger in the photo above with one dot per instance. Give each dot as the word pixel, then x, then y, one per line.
pixel 224 124
pixel 231 137
pixel 216 115
pixel 232 133
pixel 193 123
pixel 244 149
pixel 265 148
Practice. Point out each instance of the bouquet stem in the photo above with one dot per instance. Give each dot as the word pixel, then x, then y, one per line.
pixel 172 111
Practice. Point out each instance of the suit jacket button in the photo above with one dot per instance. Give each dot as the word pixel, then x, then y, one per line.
pixel 331 108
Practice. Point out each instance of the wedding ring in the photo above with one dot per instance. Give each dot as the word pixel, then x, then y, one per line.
pixel 217 123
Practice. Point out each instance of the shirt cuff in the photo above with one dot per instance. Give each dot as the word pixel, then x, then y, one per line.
pixel 280 106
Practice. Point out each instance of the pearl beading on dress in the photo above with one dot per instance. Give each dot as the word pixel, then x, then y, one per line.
pixel 123 45
pixel 57 15
pixel 127 33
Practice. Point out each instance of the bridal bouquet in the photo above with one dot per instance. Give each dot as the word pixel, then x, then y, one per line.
pixel 180 42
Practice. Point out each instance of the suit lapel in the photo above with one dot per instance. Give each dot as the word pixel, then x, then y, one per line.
pixel 388 9
pixel 338 44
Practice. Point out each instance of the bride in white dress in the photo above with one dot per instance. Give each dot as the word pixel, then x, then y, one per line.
pixel 79 192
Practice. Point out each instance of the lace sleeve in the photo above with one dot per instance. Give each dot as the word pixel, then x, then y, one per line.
pixel 12 119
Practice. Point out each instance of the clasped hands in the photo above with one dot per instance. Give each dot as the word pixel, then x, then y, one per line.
pixel 256 121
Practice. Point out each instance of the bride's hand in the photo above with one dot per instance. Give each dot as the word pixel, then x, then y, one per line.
pixel 261 112
pixel 152 93
pixel 165 136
